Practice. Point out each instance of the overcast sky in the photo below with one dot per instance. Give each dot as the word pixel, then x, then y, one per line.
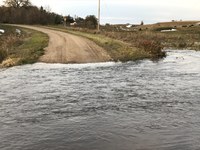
pixel 127 11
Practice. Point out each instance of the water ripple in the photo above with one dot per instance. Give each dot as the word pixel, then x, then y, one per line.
pixel 140 105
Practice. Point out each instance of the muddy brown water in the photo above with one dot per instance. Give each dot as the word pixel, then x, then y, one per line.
pixel 140 105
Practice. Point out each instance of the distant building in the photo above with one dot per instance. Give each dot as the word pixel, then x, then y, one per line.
pixel 73 24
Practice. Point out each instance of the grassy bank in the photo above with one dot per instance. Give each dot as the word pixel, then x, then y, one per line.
pixel 21 48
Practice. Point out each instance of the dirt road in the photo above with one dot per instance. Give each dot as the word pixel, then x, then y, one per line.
pixel 68 48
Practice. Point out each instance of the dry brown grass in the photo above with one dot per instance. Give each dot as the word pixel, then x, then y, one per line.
pixel 152 39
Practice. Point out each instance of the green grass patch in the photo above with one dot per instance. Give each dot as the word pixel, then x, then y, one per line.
pixel 32 48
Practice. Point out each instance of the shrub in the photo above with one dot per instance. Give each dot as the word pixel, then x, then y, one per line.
pixel 91 22
pixel 154 48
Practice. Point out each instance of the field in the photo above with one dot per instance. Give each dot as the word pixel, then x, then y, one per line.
pixel 177 35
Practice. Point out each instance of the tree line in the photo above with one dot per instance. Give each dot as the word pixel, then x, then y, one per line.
pixel 28 15
pixel 23 12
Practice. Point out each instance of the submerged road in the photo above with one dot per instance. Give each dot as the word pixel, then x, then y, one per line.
pixel 67 48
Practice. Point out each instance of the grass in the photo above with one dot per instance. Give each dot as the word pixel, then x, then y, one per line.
pixel 25 48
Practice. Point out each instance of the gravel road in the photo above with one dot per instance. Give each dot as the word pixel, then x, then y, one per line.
pixel 67 48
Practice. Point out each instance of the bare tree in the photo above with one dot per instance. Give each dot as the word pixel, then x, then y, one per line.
pixel 142 23
pixel 17 3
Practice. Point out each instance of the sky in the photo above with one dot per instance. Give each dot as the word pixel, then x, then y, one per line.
pixel 126 11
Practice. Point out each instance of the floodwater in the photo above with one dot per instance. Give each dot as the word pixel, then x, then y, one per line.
pixel 140 105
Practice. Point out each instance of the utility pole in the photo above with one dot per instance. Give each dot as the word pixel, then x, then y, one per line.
pixel 99 11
